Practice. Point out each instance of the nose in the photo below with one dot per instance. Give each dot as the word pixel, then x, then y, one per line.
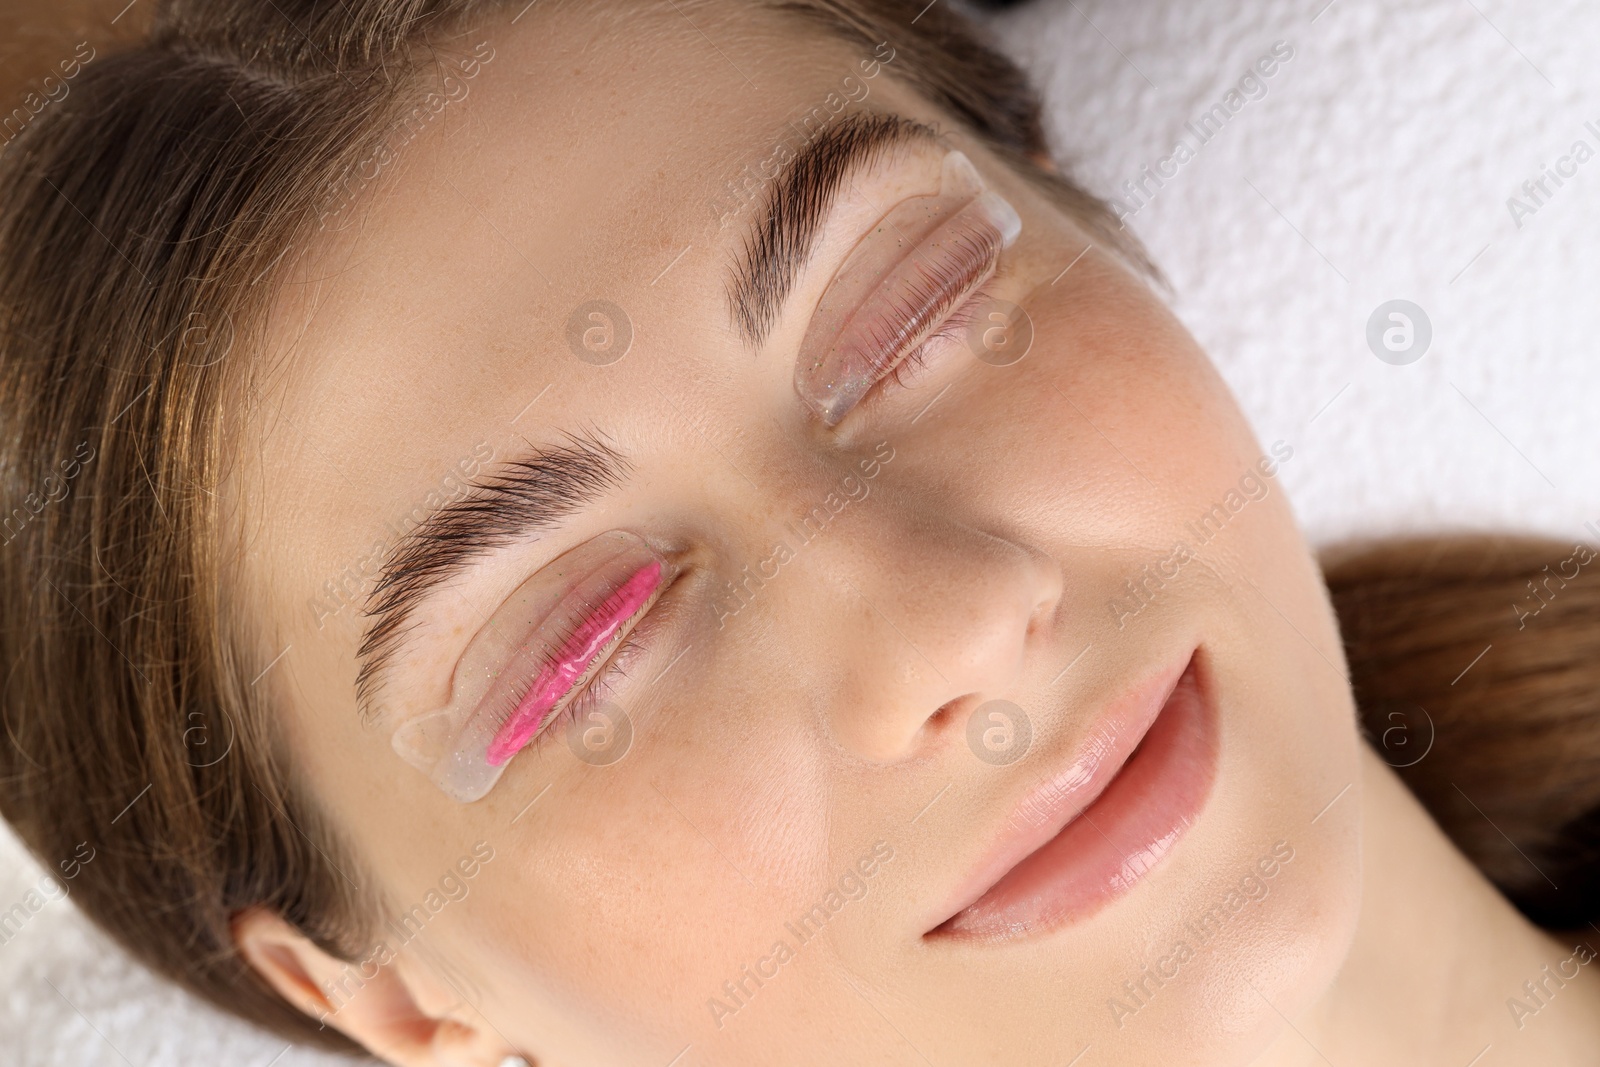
pixel 919 618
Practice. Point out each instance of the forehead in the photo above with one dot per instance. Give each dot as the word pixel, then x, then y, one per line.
pixel 574 165
pixel 583 158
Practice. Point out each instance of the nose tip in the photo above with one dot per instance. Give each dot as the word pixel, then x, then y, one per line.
pixel 1010 610
pixel 945 636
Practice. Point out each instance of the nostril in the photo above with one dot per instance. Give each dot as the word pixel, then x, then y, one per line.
pixel 1036 622
pixel 1043 616
pixel 949 711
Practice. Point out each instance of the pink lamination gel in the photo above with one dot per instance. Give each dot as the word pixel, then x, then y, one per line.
pixel 575 656
pixel 529 659
pixel 894 288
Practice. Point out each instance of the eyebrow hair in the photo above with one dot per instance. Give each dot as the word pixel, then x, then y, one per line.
pixel 538 490
pixel 532 492
pixel 796 204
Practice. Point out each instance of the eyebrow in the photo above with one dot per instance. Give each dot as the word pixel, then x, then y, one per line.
pixel 796 204
pixel 530 493
pixel 539 489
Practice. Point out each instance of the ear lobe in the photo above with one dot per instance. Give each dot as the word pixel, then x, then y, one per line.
pixel 371 1004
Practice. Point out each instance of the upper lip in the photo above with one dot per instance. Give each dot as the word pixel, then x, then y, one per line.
pixel 1044 810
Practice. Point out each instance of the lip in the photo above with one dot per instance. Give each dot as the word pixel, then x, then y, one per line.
pixel 1092 830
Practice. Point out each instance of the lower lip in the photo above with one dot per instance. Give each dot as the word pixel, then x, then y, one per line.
pixel 1115 841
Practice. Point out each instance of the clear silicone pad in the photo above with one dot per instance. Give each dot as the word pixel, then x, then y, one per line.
pixel 526 661
pixel 884 299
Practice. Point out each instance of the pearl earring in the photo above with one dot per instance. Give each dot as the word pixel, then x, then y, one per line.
pixel 514 1061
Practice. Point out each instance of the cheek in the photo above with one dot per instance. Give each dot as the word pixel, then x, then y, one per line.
pixel 649 884
pixel 1116 432
pixel 1112 426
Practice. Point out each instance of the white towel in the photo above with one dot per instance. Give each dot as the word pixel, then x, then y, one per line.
pixel 1377 165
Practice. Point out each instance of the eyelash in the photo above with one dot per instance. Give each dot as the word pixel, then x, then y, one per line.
pixel 953 326
pixel 604 674
pixel 587 696
pixel 953 278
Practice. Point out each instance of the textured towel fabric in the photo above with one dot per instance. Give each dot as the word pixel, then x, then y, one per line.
pixel 1375 163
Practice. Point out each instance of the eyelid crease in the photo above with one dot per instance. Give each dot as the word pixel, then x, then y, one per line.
pixel 846 349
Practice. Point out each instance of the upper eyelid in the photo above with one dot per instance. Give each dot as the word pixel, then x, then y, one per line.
pixel 796 205
pixel 881 208
pixel 541 492
pixel 591 667
pixel 923 155
pixel 642 633
pixel 896 283
pixel 838 229
pixel 513 625
pixel 533 658
pixel 875 396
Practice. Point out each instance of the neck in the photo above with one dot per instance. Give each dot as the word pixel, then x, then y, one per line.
pixel 1442 969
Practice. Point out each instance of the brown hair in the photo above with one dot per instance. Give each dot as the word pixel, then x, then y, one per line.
pixel 142 218
pixel 1476 666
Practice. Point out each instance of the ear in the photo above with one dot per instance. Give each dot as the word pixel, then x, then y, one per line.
pixel 403 1015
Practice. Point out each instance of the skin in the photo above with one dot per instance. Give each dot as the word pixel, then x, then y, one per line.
pixel 832 709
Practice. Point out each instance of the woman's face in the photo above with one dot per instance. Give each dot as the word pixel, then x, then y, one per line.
pixel 870 664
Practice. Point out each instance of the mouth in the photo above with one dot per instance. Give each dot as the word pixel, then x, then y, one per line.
pixel 1092 831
